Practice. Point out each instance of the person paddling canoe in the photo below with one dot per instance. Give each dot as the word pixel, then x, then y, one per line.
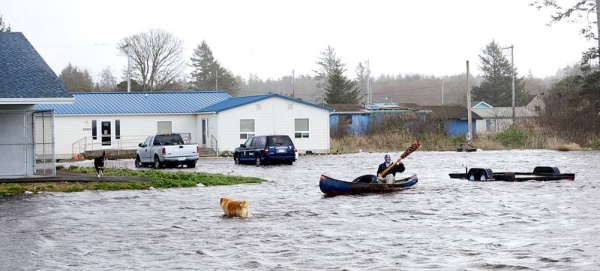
pixel 391 173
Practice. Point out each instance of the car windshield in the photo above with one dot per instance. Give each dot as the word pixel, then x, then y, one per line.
pixel 279 141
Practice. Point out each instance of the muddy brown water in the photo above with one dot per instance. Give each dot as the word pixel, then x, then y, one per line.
pixel 441 224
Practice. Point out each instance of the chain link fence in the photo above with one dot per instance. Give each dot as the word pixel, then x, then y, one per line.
pixel 27 144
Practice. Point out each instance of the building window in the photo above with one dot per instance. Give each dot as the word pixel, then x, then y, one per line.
pixel 301 128
pixel 345 119
pixel 117 129
pixel 164 127
pixel 94 132
pixel 537 108
pixel 246 128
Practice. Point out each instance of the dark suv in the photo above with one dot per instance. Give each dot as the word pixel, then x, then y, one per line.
pixel 260 150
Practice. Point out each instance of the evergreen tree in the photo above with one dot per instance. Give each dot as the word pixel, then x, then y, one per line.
pixel 76 79
pixel 3 27
pixel 327 63
pixel 208 74
pixel 340 89
pixel 496 87
pixel 135 86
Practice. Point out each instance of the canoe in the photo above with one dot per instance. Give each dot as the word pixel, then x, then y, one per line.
pixel 363 184
pixel 540 173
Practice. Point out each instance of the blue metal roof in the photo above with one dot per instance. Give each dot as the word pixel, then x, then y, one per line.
pixel 138 102
pixel 239 101
pixel 24 73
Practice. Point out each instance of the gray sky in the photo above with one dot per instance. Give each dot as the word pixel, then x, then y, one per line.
pixel 272 38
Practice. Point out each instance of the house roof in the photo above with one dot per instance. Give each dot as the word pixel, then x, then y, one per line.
pixel 244 100
pixel 25 78
pixel 179 102
pixel 348 109
pixel 452 112
pixel 410 105
pixel 481 104
pixel 504 112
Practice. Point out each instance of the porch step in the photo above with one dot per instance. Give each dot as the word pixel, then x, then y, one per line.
pixel 207 152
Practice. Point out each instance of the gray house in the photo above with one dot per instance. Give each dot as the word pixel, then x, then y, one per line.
pixel 27 144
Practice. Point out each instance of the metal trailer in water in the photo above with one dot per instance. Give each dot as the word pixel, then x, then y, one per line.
pixel 540 173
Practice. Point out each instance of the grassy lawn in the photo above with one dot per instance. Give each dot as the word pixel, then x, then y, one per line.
pixel 160 179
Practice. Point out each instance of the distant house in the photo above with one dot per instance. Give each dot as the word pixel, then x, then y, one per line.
pixel 498 119
pixel 355 119
pixel 212 119
pixel 481 105
pixel 456 117
pixel 28 135
pixel 351 119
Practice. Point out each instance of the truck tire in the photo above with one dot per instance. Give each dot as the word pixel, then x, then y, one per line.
pixel 236 159
pixel 138 162
pixel 157 163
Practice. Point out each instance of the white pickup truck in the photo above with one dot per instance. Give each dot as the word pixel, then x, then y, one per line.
pixel 169 150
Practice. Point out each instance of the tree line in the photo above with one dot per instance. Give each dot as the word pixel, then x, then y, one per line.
pixel 158 64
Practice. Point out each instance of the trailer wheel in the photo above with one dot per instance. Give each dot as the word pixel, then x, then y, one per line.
pixel 483 177
pixel 472 177
pixel 486 174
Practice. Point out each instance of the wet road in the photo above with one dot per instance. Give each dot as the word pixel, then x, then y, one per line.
pixel 442 224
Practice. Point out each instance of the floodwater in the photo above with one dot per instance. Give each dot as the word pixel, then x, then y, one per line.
pixel 441 224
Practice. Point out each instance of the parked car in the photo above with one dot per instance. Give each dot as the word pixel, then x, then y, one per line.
pixel 166 150
pixel 266 149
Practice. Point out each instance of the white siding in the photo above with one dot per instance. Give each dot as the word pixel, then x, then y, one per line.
pixel 275 116
pixel 71 129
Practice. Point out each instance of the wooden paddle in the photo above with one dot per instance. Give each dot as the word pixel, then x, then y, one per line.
pixel 415 145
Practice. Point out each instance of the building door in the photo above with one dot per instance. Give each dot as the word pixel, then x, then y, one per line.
pixel 105 132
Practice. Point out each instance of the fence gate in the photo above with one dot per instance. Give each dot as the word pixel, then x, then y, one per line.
pixel 27 144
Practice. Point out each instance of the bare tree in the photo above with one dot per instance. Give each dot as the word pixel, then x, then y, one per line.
pixel 157 56
pixel 108 81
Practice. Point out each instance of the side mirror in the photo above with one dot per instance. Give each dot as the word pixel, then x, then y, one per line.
pixel 242 146
pixel 141 145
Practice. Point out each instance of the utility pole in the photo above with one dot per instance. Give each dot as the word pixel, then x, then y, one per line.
pixel 127 46
pixel 598 23
pixel 293 86
pixel 217 79
pixel 469 117
pixel 512 72
pixel 369 98
pixel 443 88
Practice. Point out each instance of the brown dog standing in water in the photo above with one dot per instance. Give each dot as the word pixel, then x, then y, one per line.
pixel 235 207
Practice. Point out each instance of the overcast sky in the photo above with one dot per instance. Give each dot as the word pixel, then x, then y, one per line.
pixel 272 38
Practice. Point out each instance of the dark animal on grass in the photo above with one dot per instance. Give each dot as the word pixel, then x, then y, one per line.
pixel 99 164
